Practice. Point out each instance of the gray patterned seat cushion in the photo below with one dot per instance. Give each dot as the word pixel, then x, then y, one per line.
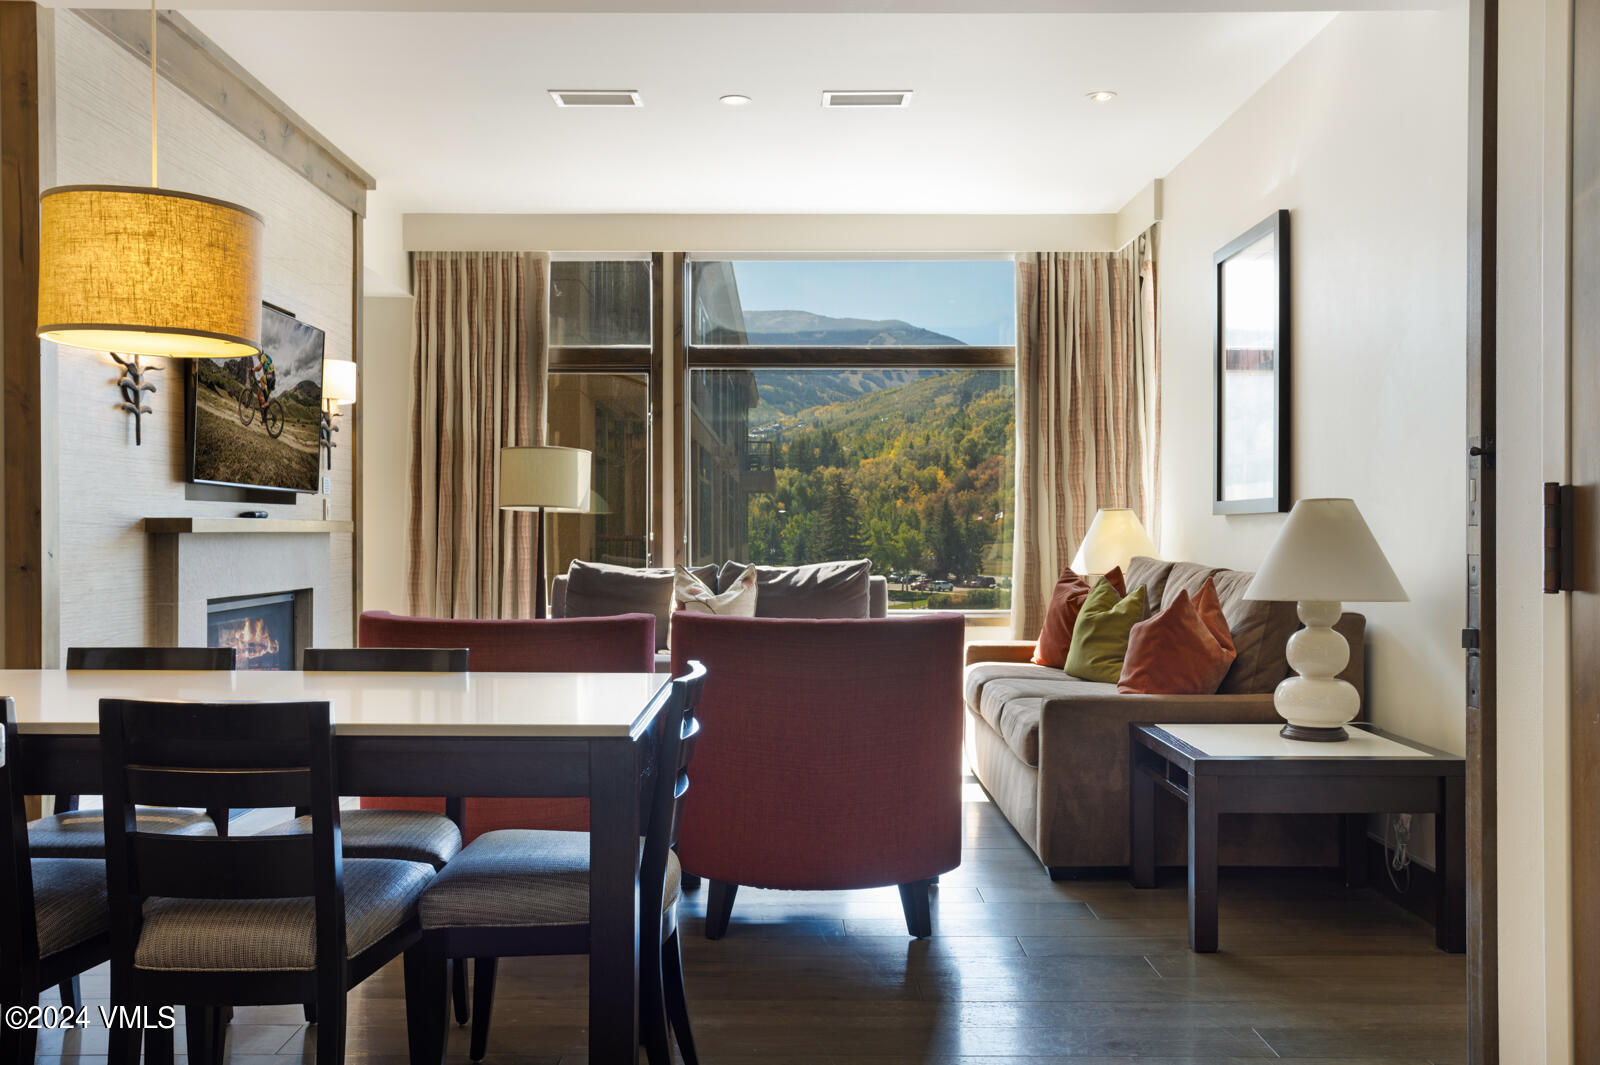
pixel 82 833
pixel 257 935
pixel 69 902
pixel 405 835
pixel 518 878
pixel 1010 696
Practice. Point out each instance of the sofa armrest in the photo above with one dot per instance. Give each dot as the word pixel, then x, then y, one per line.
pixel 999 651
pixel 877 597
pixel 558 596
pixel 1083 765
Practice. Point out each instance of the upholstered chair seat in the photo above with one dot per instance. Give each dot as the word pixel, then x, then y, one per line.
pixel 521 878
pixel 82 833
pixel 407 835
pixel 276 935
pixel 69 902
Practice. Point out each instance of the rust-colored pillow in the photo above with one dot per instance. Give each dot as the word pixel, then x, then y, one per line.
pixel 1184 650
pixel 1062 614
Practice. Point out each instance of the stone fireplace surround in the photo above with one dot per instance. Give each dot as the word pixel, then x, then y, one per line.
pixel 216 560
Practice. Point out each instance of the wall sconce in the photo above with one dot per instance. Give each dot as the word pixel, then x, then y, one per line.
pixel 132 385
pixel 338 387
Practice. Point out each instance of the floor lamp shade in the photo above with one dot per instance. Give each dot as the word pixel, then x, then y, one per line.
pixel 1324 556
pixel 146 271
pixel 1114 538
pixel 544 478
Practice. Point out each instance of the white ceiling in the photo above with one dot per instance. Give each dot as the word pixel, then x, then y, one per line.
pixel 449 112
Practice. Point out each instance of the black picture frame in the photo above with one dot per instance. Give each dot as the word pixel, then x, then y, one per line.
pixel 1271 353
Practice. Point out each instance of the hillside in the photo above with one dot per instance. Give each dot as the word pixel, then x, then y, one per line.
pixel 819 330
pixel 785 393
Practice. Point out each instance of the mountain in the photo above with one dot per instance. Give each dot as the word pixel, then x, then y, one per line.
pixel 819 330
pixel 788 392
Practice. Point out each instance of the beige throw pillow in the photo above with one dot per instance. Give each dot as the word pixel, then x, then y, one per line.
pixel 690 593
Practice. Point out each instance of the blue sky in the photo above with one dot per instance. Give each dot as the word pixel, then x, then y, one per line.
pixel 972 300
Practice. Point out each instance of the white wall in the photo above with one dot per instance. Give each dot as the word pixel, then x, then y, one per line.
pixel 1362 137
pixel 385 450
pixel 1532 731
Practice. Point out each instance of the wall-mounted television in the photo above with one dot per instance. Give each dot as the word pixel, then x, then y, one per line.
pixel 255 421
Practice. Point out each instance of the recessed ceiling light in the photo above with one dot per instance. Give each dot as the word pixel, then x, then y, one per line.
pixel 1100 96
pixel 867 98
pixel 734 99
pixel 596 97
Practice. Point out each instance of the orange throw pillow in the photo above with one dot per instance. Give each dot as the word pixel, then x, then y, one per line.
pixel 1062 614
pixel 1184 650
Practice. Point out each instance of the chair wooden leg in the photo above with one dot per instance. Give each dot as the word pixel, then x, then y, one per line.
pixel 158 1046
pixel 219 818
pixel 330 1020
pixel 71 997
pixel 676 999
pixel 203 1034
pixel 719 908
pixel 427 1007
pixel 458 989
pixel 310 1012
pixel 482 1005
pixel 914 900
pixel 18 1043
pixel 652 1009
pixel 122 1042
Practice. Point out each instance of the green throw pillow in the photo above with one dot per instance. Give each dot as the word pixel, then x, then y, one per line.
pixel 1100 637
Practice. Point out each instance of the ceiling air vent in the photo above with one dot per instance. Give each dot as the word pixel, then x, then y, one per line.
pixel 596 97
pixel 868 98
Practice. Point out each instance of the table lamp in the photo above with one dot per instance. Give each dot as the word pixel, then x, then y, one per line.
pixel 1324 556
pixel 541 479
pixel 1114 538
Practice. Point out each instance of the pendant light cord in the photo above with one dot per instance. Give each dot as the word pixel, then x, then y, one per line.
pixel 153 182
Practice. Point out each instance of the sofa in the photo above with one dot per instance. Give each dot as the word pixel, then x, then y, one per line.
pixel 1052 750
pixel 823 590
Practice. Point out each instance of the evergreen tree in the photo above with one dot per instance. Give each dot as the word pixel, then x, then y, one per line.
pixel 841 527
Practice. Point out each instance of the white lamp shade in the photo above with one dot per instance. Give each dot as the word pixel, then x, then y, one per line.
pixel 552 478
pixel 338 382
pixel 1115 538
pixel 1326 553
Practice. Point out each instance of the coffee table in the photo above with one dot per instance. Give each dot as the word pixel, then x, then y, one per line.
pixel 1250 768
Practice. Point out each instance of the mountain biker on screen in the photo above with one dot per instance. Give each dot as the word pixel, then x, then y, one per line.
pixel 267 376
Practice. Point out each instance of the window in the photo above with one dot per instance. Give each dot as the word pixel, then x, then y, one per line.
pixel 843 409
pixel 595 303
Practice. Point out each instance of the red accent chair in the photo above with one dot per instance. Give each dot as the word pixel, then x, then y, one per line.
pixel 831 757
pixel 625 643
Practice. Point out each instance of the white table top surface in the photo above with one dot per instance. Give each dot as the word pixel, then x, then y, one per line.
pixel 1264 741
pixel 591 705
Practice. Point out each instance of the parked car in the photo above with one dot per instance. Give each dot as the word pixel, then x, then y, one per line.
pixel 941 586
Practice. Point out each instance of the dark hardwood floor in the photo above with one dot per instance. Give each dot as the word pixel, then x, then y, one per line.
pixel 1020 971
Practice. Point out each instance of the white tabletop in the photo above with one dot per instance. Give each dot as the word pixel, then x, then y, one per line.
pixel 1264 741
pixel 593 705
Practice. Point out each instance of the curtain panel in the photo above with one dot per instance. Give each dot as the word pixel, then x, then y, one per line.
pixel 479 360
pixel 1088 407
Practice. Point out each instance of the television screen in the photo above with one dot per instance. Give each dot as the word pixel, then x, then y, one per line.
pixel 255 421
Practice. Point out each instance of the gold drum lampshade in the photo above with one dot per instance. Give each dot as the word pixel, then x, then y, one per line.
pixel 147 271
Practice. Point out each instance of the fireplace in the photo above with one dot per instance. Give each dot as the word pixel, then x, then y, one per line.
pixel 262 629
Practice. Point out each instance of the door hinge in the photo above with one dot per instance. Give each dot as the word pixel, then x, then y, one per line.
pixel 1558 543
pixel 1469 639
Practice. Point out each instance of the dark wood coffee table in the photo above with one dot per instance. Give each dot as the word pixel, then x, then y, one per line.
pixel 1250 768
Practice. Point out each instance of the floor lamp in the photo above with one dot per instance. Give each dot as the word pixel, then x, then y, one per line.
pixel 544 479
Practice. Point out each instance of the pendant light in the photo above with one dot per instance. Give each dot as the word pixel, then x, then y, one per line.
pixel 149 271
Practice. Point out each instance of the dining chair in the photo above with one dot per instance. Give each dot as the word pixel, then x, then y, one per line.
pixel 54 922
pixel 522 892
pixel 213 922
pixel 409 835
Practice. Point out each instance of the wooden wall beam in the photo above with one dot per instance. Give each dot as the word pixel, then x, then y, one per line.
pixel 21 440
pixel 191 61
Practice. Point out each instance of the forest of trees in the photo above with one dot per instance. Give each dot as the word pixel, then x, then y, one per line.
pixel 915 476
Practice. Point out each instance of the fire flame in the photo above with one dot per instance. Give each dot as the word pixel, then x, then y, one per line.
pixel 249 639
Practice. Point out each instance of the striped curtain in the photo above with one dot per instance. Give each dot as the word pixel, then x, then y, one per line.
pixel 1088 407
pixel 479 359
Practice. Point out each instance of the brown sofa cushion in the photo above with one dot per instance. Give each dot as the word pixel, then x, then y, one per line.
pixel 1009 696
pixel 601 590
pixel 1152 573
pixel 1261 630
pixel 822 590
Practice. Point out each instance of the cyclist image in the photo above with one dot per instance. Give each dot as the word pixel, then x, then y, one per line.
pixel 267 375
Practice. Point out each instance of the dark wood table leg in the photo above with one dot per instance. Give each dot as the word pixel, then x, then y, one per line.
pixel 1142 817
pixel 1450 862
pixel 1202 864
pixel 613 903
pixel 1353 850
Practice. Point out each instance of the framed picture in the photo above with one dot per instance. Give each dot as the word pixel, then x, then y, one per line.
pixel 1251 417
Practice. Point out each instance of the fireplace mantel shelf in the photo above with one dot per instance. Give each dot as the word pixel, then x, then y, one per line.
pixel 234 526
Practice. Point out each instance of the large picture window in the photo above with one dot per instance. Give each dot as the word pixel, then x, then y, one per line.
pixel 841 409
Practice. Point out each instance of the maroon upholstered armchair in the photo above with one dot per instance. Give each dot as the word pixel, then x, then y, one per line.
pixel 831 757
pixel 625 643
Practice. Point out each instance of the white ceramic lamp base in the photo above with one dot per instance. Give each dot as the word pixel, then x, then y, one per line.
pixel 1315 702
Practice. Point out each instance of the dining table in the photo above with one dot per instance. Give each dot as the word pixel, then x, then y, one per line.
pixel 504 735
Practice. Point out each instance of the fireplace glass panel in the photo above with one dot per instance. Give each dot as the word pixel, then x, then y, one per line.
pixel 260 629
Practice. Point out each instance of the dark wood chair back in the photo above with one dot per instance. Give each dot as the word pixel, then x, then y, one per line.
pixel 386 659
pixel 220 755
pixel 668 782
pixel 195 658
pixel 19 942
